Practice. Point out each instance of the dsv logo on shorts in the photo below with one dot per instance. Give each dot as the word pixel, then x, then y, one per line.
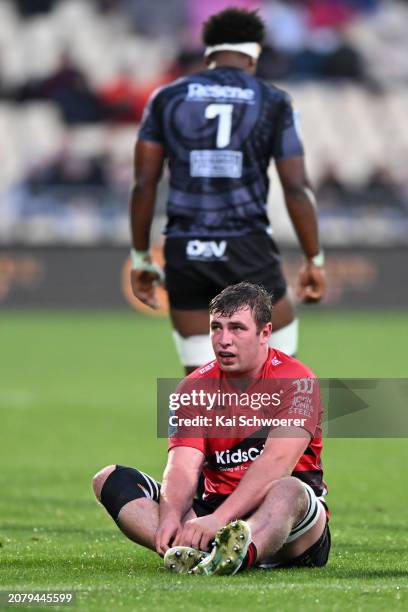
pixel 206 250
pixel 238 456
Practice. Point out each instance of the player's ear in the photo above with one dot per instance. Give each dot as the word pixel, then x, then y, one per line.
pixel 266 333
pixel 252 63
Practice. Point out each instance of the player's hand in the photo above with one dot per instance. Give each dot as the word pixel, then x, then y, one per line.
pixel 144 285
pixel 312 283
pixel 199 532
pixel 166 534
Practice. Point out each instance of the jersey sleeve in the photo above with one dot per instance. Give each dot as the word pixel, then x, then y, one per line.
pixel 151 125
pixel 185 427
pixel 287 142
pixel 198 443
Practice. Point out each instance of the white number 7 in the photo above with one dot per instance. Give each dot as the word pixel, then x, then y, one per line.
pixel 224 112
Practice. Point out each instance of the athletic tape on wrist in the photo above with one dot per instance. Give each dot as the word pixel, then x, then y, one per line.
pixel 139 262
pixel 317 260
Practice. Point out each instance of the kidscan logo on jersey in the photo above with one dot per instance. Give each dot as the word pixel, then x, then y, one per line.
pixel 198 91
pixel 206 249
pixel 238 456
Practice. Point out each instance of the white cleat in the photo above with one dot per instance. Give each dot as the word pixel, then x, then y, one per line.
pixel 231 546
pixel 181 559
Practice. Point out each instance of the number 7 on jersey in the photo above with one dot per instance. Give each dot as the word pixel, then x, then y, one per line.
pixel 224 112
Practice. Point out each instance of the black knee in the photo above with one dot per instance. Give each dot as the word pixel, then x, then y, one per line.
pixel 124 485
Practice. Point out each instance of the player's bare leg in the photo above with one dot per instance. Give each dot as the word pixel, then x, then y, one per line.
pixel 283 313
pixel 284 506
pixel 284 335
pixel 138 519
pixel 188 323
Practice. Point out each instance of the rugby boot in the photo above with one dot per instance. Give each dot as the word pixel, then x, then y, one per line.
pixel 229 550
pixel 181 559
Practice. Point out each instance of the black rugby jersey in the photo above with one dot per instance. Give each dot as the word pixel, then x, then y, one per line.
pixel 220 128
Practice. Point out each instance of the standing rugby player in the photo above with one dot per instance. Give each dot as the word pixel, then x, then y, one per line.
pixel 219 130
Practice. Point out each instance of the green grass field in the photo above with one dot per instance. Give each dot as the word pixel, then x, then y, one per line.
pixel 78 391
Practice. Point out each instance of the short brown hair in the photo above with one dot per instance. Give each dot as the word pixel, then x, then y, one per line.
pixel 244 295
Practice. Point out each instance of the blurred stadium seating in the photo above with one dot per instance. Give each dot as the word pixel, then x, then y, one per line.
pixel 75 74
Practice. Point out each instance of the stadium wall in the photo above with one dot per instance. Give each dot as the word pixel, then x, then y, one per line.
pixel 97 277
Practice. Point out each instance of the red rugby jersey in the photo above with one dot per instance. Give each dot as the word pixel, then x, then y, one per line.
pixel 228 458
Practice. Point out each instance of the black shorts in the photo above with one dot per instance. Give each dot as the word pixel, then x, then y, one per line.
pixel 197 269
pixel 125 484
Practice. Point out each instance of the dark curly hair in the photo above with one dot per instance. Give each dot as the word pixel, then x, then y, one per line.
pixel 233 25
pixel 244 295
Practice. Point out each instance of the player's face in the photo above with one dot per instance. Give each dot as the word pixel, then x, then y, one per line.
pixel 237 345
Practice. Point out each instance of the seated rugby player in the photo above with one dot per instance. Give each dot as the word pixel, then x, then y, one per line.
pixel 262 503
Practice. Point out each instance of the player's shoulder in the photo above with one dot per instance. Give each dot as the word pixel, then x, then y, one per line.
pixel 209 370
pixel 205 375
pixel 285 366
pixel 278 94
pixel 163 91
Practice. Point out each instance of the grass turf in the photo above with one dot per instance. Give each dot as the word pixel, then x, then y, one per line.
pixel 78 392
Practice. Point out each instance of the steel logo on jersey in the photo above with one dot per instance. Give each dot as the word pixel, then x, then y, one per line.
pixel 206 250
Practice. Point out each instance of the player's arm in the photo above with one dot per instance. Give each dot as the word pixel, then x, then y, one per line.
pixel 280 456
pixel 148 167
pixel 301 205
pixel 278 460
pixel 179 486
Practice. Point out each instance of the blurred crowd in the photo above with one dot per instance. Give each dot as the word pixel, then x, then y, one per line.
pixel 306 39
pixel 379 192
pixel 97 61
